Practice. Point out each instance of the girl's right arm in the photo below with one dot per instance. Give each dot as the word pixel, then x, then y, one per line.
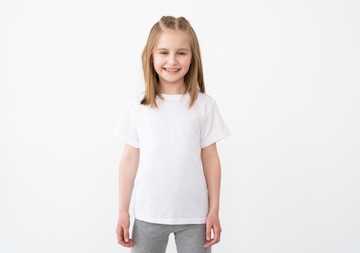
pixel 127 171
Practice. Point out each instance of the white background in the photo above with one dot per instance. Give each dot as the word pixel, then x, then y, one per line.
pixel 286 77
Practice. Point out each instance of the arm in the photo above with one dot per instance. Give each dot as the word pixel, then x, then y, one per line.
pixel 212 171
pixel 127 171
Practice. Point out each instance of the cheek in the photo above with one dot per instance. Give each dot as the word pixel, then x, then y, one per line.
pixel 157 62
pixel 187 63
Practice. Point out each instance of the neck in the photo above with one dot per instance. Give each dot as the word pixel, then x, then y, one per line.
pixel 172 89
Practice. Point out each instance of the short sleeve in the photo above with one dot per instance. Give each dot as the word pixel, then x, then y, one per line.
pixel 127 126
pixel 214 128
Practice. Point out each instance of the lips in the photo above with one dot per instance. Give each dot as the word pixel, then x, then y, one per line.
pixel 171 70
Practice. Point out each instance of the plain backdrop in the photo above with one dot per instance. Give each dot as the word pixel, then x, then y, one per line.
pixel 286 77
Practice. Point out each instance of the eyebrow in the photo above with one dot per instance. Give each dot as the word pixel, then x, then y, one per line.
pixel 182 49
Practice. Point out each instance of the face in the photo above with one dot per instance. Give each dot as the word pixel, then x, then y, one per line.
pixel 171 59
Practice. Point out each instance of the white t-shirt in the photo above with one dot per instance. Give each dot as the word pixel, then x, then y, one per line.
pixel 170 186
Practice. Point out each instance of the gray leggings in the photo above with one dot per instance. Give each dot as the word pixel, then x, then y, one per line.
pixel 153 238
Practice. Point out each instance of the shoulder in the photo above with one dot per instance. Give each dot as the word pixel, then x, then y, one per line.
pixel 132 103
pixel 205 99
pixel 135 99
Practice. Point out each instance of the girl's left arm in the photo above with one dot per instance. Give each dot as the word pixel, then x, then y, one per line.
pixel 212 171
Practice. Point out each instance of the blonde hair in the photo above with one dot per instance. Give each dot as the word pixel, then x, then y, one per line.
pixel 194 78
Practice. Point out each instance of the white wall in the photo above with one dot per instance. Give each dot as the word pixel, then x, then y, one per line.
pixel 286 78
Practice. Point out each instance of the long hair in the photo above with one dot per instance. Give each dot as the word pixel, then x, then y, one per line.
pixel 194 78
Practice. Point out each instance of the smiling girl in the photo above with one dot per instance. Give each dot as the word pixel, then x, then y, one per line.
pixel 170 164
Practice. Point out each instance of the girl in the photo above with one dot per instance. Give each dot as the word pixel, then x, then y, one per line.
pixel 170 156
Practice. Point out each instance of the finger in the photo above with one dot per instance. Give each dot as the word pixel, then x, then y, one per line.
pixel 209 243
pixel 217 232
pixel 128 244
pixel 208 232
pixel 215 239
pixel 120 235
pixel 121 240
pixel 126 234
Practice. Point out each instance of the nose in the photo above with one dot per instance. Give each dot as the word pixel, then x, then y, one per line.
pixel 172 59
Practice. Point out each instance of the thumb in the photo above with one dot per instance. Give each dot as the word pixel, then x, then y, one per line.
pixel 208 232
pixel 126 234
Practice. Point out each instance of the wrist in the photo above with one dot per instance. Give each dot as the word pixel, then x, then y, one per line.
pixel 213 210
pixel 123 211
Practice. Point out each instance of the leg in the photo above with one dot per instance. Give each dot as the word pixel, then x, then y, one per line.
pixel 149 237
pixel 191 239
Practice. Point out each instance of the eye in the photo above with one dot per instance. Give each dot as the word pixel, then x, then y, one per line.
pixel 182 53
pixel 163 52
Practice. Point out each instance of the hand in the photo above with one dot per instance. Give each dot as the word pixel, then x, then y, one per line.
pixel 213 229
pixel 122 230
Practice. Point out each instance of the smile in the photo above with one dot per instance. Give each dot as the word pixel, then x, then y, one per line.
pixel 171 70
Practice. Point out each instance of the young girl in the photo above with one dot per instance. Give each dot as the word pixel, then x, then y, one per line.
pixel 170 156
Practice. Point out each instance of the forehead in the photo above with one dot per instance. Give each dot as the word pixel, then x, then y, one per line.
pixel 173 39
